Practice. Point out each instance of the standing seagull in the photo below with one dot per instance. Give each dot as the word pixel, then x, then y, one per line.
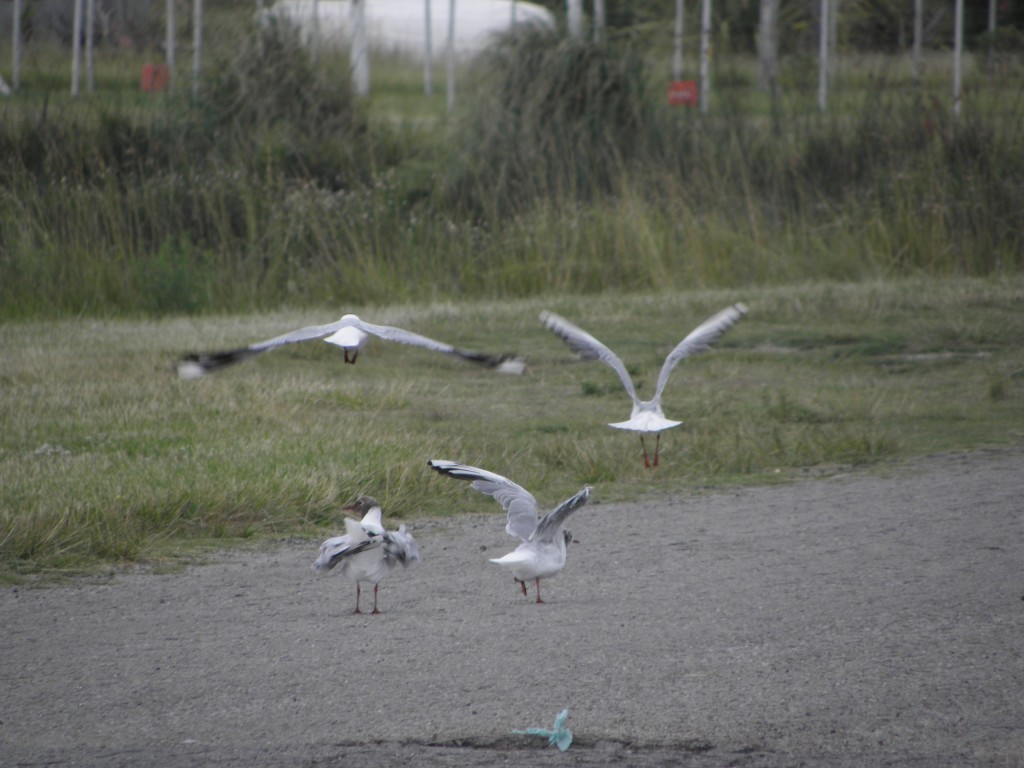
pixel 367 552
pixel 350 333
pixel 647 415
pixel 542 553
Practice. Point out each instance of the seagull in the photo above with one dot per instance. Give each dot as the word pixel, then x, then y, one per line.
pixel 367 552
pixel 542 553
pixel 350 333
pixel 647 415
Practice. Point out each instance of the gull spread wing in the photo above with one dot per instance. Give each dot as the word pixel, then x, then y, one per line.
pixel 548 527
pixel 699 340
pixel 588 347
pixel 337 548
pixel 402 336
pixel 194 366
pixel 514 499
pixel 400 546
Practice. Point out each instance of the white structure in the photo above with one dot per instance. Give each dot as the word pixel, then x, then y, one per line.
pixel 399 25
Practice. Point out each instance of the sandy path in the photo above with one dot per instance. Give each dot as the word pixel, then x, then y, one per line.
pixel 868 619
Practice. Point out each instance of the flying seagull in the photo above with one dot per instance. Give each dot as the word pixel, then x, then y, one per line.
pixel 350 333
pixel 367 553
pixel 544 540
pixel 647 415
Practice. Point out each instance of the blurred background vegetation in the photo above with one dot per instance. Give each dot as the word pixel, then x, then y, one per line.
pixel 561 169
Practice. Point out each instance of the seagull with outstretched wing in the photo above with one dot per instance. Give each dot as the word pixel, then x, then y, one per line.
pixel 351 334
pixel 647 415
pixel 544 540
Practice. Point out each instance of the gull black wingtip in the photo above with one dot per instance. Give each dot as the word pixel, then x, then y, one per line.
pixel 197 365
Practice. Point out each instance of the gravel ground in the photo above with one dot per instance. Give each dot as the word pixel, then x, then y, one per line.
pixel 872 618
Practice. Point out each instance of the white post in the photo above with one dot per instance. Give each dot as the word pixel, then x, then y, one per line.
pixel 76 48
pixel 90 59
pixel 991 36
pixel 197 45
pixel 574 19
pixel 705 56
pixel 428 62
pixel 513 17
pixel 16 46
pixel 450 101
pixel 599 21
pixel 314 32
pixel 171 32
pixel 677 43
pixel 958 53
pixel 833 39
pixel 823 57
pixel 359 56
pixel 918 34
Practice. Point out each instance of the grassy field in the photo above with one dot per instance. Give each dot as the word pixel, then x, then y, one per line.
pixel 880 248
pixel 107 457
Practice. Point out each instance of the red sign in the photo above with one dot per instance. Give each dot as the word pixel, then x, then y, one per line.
pixel 155 78
pixel 683 92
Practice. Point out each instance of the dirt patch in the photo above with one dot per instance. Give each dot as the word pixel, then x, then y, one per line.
pixel 874 618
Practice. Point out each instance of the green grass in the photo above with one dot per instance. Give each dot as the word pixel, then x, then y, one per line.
pixel 108 458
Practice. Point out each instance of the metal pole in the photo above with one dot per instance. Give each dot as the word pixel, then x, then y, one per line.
pixel 451 56
pixel 823 58
pixel 16 45
pixel 918 34
pixel 705 56
pixel 90 59
pixel 599 21
pixel 171 32
pixel 197 46
pixel 76 48
pixel 991 37
pixel 574 19
pixel 359 58
pixel 314 34
pixel 958 52
pixel 677 43
pixel 428 61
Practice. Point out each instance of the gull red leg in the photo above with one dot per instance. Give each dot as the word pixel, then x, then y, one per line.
pixel 657 447
pixel 374 600
pixel 357 599
pixel 647 462
pixel 521 584
pixel 537 581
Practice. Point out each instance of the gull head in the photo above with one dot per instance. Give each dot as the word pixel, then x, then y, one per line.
pixel 362 505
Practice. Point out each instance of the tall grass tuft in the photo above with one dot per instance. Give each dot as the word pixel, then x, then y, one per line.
pixel 552 118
